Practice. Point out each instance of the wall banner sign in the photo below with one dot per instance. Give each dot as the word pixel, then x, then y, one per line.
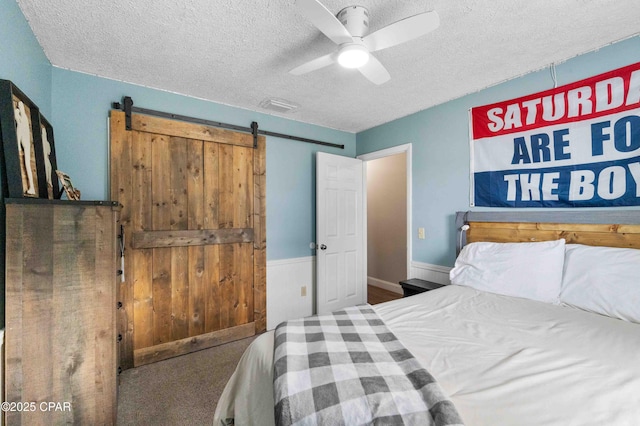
pixel 576 145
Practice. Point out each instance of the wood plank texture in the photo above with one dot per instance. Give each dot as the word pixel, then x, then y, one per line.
pixel 260 236
pixel 74 238
pixel 179 223
pixel 192 237
pixel 195 184
pixel 163 126
pixel 227 284
pixel 212 292
pixel 197 283
pixel 210 196
pixel 177 187
pixel 139 263
pixel 211 199
pixel 61 317
pixel 105 300
pixel 242 187
pixel 161 220
pixel 14 378
pixel 38 314
pixel 225 187
pixel 191 344
pixel 121 186
pixel 244 288
pixel 611 235
pixel 179 293
pixel 197 290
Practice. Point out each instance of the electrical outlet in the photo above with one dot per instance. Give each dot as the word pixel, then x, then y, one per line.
pixel 303 291
pixel 421 233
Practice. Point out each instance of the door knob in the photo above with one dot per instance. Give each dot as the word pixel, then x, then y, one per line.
pixel 323 247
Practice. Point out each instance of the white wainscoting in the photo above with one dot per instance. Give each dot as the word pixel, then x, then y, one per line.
pixel 285 279
pixel 426 271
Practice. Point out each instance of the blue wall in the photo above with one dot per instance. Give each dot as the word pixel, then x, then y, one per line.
pixel 440 138
pixel 22 60
pixel 81 104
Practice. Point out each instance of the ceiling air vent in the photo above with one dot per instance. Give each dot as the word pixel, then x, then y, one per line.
pixel 279 105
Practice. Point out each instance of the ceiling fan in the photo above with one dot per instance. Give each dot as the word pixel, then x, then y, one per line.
pixel 349 28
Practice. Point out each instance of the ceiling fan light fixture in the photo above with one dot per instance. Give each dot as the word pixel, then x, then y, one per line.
pixel 353 55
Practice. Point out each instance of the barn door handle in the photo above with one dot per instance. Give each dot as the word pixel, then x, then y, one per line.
pixel 121 247
pixel 323 247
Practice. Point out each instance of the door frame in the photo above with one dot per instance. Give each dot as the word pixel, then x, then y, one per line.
pixel 387 152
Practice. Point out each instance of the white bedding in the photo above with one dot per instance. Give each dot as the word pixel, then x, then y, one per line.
pixel 502 360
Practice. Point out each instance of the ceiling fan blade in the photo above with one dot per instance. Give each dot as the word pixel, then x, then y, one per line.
pixel 402 31
pixel 375 71
pixel 326 22
pixel 314 64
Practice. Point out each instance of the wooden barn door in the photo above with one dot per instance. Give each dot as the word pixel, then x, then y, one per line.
pixel 193 211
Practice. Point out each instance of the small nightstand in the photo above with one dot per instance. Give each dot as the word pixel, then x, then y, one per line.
pixel 416 285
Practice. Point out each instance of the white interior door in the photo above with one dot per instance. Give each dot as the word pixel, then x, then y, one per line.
pixel 340 251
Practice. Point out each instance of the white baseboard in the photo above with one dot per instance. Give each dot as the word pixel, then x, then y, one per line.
pixel 426 271
pixel 387 285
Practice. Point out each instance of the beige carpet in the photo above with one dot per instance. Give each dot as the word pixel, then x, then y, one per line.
pixel 178 391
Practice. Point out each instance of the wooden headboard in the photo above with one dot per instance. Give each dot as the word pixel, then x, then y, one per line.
pixel 620 228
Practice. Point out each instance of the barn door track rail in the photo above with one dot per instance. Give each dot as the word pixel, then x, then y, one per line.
pixel 128 108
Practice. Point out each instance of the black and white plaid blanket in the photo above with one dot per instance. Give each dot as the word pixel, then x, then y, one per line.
pixel 347 368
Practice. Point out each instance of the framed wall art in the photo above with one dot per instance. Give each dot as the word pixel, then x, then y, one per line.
pixel 19 125
pixel 46 154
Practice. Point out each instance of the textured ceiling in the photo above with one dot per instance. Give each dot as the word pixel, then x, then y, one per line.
pixel 239 52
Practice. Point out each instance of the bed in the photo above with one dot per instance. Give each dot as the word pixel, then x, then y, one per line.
pixel 529 358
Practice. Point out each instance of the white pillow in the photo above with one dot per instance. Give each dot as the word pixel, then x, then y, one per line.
pixel 528 270
pixel 604 280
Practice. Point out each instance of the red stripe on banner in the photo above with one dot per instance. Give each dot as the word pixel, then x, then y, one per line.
pixel 608 93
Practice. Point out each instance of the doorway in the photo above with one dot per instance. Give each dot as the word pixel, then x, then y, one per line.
pixel 388 216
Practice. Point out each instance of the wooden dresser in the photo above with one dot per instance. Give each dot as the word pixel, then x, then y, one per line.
pixel 60 337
